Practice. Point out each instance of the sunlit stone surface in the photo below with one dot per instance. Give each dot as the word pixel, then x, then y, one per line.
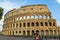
pixel 30 19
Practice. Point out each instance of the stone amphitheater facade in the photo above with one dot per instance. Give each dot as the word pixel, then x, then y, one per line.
pixel 30 19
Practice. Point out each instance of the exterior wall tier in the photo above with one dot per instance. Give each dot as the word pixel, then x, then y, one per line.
pixel 28 20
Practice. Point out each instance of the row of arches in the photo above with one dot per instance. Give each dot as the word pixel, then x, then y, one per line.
pixel 41 32
pixel 37 24
pixel 27 17
pixel 33 17
pixel 30 24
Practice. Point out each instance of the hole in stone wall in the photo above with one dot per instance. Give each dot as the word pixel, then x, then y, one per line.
pixel 28 24
pixel 40 16
pixel 36 16
pixel 41 23
pixel 28 17
pixel 37 24
pixel 32 17
pixel 24 17
pixel 32 24
pixel 46 24
pixel 20 18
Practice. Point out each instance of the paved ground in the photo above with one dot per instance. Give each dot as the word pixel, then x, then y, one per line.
pixel 24 38
pixel 15 38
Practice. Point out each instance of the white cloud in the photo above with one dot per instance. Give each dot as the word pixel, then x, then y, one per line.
pixel 58 1
pixel 8 5
pixel 1 23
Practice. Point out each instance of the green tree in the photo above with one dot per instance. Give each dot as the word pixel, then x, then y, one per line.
pixel 1 13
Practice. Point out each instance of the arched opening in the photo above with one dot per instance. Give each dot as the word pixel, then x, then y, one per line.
pixel 42 32
pixel 23 32
pixel 20 18
pixel 49 17
pixel 16 25
pixel 16 19
pixel 50 23
pixel 47 32
pixel 37 24
pixel 28 17
pixel 16 32
pixel 32 17
pixel 28 32
pixel 24 17
pixel 32 32
pixel 13 32
pixel 44 16
pixel 41 23
pixel 19 31
pixel 20 25
pixel 37 31
pixel 28 24
pixel 36 16
pixel 40 16
pixel 54 32
pixel 32 24
pixel 53 23
pixel 46 24
pixel 24 25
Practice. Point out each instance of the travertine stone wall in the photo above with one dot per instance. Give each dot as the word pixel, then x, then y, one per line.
pixel 28 20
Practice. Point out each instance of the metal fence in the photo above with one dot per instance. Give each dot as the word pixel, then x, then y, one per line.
pixel 27 38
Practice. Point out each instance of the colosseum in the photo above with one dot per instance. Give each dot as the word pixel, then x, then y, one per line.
pixel 30 19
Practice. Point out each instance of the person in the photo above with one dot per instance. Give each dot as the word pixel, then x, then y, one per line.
pixel 37 36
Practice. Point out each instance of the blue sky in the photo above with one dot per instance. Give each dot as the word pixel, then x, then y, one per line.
pixel 53 5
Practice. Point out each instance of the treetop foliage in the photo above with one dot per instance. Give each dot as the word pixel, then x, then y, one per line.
pixel 1 13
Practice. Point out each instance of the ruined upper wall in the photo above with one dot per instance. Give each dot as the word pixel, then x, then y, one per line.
pixel 35 8
pixel 28 9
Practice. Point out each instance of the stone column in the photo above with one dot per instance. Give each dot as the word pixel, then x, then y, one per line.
pixel 30 32
pixel 40 32
pixel 49 32
pixel 30 16
pixel 26 18
pixel 48 24
pixel 34 16
pixel 12 26
pixel 53 32
pixel 38 16
pixel 14 32
pixel 18 25
pixel 26 32
pixel 22 24
pixel 56 32
pixel 22 17
pixel 11 32
pixel 21 32
pixel 44 32
pixel 46 16
pixel 15 25
pixel 44 23
pixel 42 16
